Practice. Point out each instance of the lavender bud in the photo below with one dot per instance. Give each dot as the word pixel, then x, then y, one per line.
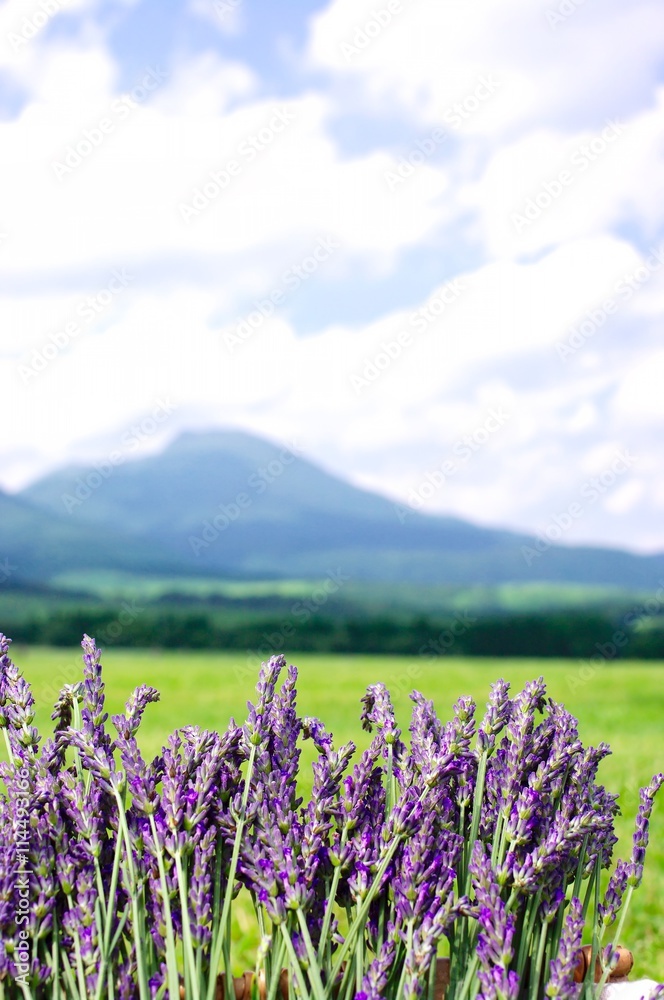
pixel 378 711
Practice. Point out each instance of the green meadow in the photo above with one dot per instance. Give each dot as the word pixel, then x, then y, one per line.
pixel 623 705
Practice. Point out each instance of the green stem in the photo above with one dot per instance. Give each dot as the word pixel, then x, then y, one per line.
pixel 477 810
pixel 262 930
pixel 329 905
pixel 101 928
pixel 80 972
pixel 100 891
pixel 138 910
pixel 350 988
pixel 69 976
pixel 581 865
pixel 78 724
pixel 389 798
pixel 614 944
pixel 222 929
pixel 532 907
pixel 382 919
pixel 536 975
pixel 226 951
pixel 313 971
pixel 471 972
pixel 589 891
pixel 431 988
pixel 502 843
pixel 192 986
pixel 588 985
pixel 497 838
pixel 358 925
pixel 294 961
pixel 273 984
pixel 110 909
pixel 462 873
pixel 409 948
pixel 359 961
pixel 554 939
pixel 12 761
pixel 121 926
pixel 55 956
pixel 171 958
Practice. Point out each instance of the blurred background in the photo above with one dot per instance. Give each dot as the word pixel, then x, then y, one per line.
pixel 333 325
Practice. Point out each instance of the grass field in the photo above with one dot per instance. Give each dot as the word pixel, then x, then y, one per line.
pixel 623 705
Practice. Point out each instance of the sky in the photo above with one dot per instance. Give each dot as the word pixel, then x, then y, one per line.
pixel 420 240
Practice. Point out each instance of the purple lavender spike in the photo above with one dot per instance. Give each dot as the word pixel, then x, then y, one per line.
pixel 608 909
pixel 561 983
pixel 641 833
pixel 499 708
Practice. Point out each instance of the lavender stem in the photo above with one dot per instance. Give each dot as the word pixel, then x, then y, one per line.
pixel 222 929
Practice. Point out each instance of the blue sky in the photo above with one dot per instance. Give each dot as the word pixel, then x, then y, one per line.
pixel 365 227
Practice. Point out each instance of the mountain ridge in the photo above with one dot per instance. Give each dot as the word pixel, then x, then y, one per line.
pixel 227 503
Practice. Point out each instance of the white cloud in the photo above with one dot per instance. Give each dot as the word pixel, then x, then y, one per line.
pixel 227 16
pixel 640 399
pixel 432 55
pixel 484 340
pixel 551 187
pixel 108 185
pixel 399 425
pixel 625 498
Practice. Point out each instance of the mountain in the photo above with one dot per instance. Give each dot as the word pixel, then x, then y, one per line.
pixel 35 544
pixel 233 505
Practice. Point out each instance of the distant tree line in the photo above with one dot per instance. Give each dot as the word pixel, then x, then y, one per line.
pixel 559 634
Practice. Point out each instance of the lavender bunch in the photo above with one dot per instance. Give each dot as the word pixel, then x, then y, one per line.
pixel 118 875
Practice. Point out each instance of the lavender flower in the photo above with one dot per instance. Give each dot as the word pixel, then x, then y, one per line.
pixel 561 970
pixel 424 947
pixel 381 968
pixel 499 709
pixel 439 751
pixel 524 818
pixel 259 714
pixel 128 724
pixel 92 711
pixel 377 712
pixel 608 909
pixel 520 730
pixel 314 730
pixel 62 712
pixel 497 983
pixel 424 870
pixel 361 800
pixel 558 751
pixel 641 833
pixel 201 888
pixel 426 730
pixel 461 730
pixel 284 729
pixel 494 785
pixel 18 708
pixel 484 880
pixel 494 950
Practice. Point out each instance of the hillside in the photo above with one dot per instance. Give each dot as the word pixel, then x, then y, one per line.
pixel 36 544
